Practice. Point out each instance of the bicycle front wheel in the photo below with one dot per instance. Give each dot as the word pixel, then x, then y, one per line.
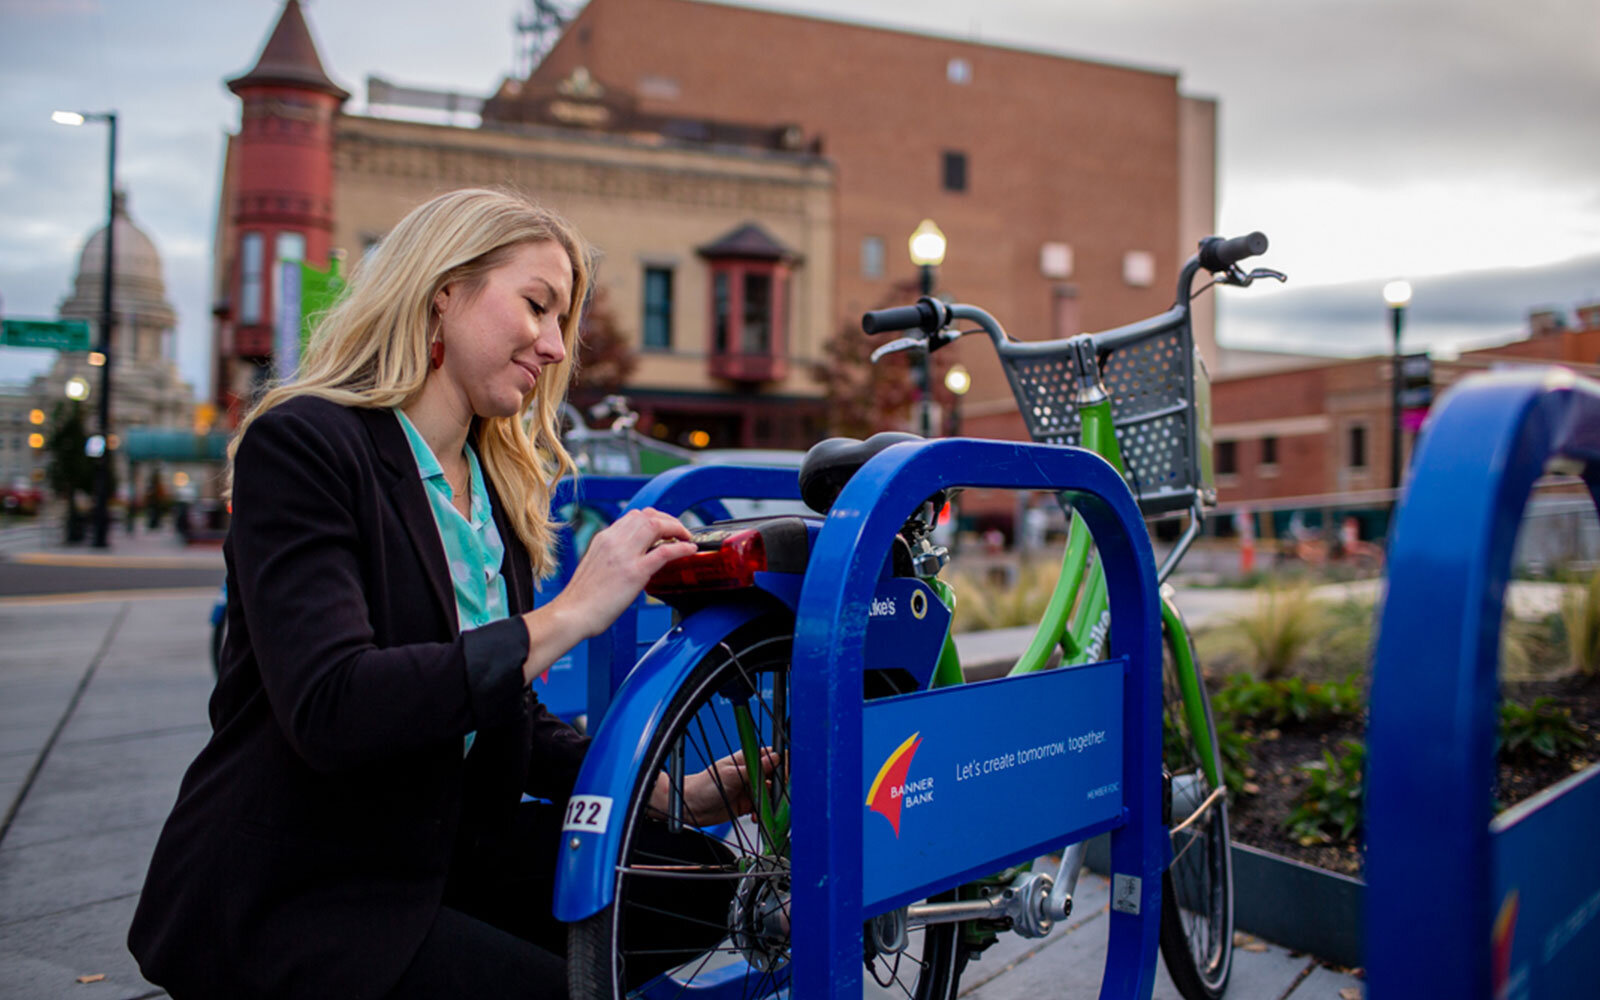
pixel 1197 889
pixel 703 911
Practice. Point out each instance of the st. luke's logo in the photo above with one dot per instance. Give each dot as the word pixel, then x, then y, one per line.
pixel 890 791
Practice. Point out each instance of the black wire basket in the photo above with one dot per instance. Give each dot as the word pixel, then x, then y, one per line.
pixel 1160 407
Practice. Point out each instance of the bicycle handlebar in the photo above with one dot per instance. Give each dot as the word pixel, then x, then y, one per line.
pixel 932 317
pixel 1217 254
pixel 924 316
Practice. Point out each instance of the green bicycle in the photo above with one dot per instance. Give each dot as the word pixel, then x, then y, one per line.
pixel 1136 395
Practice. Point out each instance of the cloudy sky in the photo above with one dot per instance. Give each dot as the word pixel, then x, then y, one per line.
pixel 1450 142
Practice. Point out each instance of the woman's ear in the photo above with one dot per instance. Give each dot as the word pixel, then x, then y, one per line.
pixel 441 299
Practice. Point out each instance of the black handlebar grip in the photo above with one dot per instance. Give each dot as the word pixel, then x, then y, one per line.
pixel 1218 254
pixel 896 318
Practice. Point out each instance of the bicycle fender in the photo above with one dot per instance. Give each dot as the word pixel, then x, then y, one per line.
pixel 591 836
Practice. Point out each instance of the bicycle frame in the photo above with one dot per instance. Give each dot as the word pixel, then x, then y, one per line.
pixel 1076 617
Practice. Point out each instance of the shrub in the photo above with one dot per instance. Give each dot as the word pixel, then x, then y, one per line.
pixel 1329 808
pixel 1541 728
pixel 1243 699
pixel 1234 748
pixel 1580 614
pixel 1283 625
pixel 982 605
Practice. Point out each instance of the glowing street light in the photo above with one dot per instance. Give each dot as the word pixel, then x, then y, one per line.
pixel 1397 294
pixel 927 245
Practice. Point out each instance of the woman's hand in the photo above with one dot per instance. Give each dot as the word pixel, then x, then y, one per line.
pixel 619 562
pixel 717 794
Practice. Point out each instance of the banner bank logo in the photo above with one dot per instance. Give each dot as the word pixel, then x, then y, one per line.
pixel 890 791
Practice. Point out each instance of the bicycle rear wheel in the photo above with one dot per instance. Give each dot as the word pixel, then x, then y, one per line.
pixel 708 914
pixel 1197 889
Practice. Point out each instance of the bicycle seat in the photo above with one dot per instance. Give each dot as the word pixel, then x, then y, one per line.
pixel 830 464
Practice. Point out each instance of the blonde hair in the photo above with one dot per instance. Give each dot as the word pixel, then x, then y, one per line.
pixel 371 349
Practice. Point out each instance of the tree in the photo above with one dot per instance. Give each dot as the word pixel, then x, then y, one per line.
pixel 864 398
pixel 70 469
pixel 605 359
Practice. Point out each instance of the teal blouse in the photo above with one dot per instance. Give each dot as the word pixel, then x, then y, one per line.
pixel 472 546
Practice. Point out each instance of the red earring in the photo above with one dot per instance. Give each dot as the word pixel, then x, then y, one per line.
pixel 436 353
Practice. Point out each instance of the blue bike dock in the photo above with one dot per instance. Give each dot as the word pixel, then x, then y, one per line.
pixel 699 488
pixel 564 688
pixel 1462 903
pixel 900 798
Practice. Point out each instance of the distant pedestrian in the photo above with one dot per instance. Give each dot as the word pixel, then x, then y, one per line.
pixel 353 827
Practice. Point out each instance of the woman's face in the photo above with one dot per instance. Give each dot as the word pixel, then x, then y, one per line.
pixel 498 339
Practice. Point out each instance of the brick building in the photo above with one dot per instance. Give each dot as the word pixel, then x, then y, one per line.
pixel 1070 191
pixel 1312 435
pixel 752 179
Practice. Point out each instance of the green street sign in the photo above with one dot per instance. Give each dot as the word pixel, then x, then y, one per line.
pixel 54 334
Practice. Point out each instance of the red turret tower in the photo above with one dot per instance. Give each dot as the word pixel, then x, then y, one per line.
pixel 280 201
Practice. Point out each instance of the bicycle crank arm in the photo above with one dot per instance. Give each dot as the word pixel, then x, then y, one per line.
pixel 1058 905
pixel 1023 903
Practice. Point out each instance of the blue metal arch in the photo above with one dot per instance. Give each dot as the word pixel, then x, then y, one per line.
pixel 686 487
pixel 1435 691
pixel 827 707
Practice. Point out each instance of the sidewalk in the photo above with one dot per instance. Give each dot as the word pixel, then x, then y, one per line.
pixel 102 706
pixel 41 543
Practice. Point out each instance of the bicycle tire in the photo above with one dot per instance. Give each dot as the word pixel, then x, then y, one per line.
pixel 1197 888
pixel 603 964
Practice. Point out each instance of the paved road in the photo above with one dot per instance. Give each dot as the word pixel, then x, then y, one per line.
pixel 34 562
pixel 36 576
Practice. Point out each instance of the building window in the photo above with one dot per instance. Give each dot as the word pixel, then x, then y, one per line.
pixel 757 326
pixel 748 301
pixel 1358 447
pixel 955 171
pixel 1269 451
pixel 750 293
pixel 1139 268
pixel 1227 458
pixel 250 278
pixel 658 308
pixel 721 305
pixel 1055 260
pixel 872 256
pixel 958 70
pixel 291 247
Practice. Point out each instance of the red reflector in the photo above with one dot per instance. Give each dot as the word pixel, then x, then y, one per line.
pixel 729 567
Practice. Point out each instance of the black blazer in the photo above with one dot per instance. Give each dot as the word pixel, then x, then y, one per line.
pixel 309 847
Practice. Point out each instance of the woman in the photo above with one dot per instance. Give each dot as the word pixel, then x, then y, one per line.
pixel 353 827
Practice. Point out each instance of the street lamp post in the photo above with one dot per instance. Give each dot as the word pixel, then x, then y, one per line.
pixel 958 380
pixel 927 252
pixel 102 470
pixel 1396 294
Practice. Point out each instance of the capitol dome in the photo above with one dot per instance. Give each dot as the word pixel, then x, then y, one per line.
pixel 138 288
